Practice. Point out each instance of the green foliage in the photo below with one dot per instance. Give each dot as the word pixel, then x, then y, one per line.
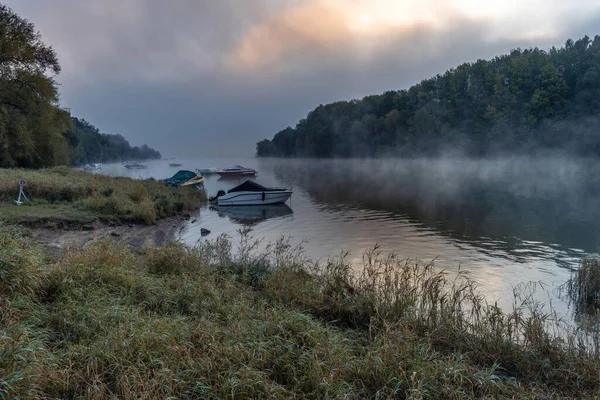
pixel 19 259
pixel 106 322
pixel 88 145
pixel 35 131
pixel 524 100
pixel 173 258
pixel 31 123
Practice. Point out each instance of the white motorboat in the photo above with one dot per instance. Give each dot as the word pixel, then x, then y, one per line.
pixel 251 193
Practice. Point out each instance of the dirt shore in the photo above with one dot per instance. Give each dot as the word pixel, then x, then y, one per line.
pixel 136 235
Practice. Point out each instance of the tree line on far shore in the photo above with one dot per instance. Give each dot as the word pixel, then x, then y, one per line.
pixel 528 99
pixel 88 145
pixel 35 131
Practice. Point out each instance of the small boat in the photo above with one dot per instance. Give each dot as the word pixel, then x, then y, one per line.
pixel 135 165
pixel 251 193
pixel 207 171
pixel 236 171
pixel 174 165
pixel 197 181
pixel 185 178
pixel 92 167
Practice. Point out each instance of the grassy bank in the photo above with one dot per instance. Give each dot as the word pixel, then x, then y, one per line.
pixel 64 196
pixel 222 320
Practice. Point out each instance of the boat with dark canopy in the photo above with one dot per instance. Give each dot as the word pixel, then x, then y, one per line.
pixel 185 178
pixel 251 193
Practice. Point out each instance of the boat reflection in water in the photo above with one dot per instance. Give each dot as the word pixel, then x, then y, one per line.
pixel 253 215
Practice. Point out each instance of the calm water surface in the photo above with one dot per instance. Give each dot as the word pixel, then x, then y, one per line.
pixel 504 221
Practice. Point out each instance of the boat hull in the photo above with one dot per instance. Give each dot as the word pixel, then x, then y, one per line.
pixel 206 171
pixel 254 198
pixel 235 174
pixel 197 182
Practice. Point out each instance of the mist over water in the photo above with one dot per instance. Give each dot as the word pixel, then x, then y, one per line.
pixel 555 201
pixel 505 221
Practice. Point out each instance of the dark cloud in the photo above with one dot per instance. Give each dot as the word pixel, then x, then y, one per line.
pixel 213 77
pixel 140 39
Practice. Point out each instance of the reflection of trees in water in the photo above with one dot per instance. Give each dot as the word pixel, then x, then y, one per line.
pixel 490 206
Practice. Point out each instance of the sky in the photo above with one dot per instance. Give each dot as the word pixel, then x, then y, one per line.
pixel 199 78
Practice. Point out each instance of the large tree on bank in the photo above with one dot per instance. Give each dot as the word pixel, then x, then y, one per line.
pixel 31 121
pixel 34 130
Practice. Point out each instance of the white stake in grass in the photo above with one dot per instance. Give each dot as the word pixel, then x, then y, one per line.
pixel 21 193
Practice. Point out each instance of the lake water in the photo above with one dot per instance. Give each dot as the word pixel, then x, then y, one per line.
pixel 504 221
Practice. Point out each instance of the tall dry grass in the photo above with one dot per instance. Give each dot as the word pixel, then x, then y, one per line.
pixel 107 197
pixel 584 285
pixel 231 319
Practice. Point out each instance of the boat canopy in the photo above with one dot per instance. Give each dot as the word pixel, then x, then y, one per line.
pixel 251 186
pixel 180 178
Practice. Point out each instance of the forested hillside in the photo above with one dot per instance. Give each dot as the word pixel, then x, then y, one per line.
pixel 35 131
pixel 88 145
pixel 528 99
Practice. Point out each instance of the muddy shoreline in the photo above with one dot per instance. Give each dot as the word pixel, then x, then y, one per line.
pixel 59 240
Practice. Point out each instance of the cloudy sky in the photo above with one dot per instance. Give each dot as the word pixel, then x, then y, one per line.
pixel 212 77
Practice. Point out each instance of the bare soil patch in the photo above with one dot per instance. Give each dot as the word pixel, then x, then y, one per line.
pixel 136 235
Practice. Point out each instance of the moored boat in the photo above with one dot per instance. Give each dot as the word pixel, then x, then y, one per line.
pixel 251 193
pixel 174 165
pixel 185 178
pixel 236 171
pixel 92 167
pixel 135 165
pixel 197 181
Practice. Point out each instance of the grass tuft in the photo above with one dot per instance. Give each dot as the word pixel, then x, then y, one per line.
pixel 584 286
pixel 173 258
pixel 20 258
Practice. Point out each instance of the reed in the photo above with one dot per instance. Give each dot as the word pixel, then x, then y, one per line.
pixel 221 320
pixel 62 194
pixel 584 285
